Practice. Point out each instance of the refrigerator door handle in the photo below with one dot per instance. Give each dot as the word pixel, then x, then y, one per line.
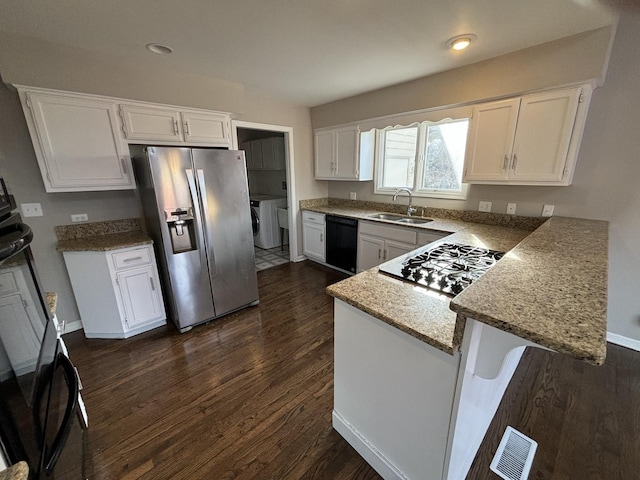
pixel 205 216
pixel 200 221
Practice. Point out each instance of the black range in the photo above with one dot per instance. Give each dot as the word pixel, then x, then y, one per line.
pixel 448 268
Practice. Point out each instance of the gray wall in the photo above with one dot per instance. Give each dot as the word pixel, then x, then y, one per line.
pixel 605 183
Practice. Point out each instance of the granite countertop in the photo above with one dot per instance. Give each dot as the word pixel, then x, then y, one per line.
pixel 551 288
pixel 101 236
pixel 19 471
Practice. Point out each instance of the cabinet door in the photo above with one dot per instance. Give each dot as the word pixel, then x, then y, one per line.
pixel 78 143
pixel 148 123
pixel 370 252
pixel 346 153
pixel 273 153
pixel 141 298
pixel 395 249
pixel 24 331
pixel 545 125
pixel 490 140
pixel 324 154
pixel 313 241
pixel 209 128
pixel 256 155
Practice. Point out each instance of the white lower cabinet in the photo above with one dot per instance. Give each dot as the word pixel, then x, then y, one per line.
pixel 378 243
pixel 117 291
pixel 313 235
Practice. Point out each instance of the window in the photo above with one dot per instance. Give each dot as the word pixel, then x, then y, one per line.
pixel 427 158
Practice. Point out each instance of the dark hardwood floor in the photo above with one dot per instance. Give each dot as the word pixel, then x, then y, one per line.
pixel 250 396
pixel 246 396
pixel 586 419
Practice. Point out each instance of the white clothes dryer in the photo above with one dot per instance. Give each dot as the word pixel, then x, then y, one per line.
pixel 265 211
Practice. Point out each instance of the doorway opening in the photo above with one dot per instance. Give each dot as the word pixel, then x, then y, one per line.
pixel 269 154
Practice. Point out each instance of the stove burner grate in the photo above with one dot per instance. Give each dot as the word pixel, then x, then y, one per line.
pixel 448 268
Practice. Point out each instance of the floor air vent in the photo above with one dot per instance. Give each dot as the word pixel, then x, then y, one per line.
pixel 514 457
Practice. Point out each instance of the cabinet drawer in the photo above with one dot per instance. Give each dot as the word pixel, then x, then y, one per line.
pixel 398 234
pixel 8 284
pixel 312 217
pixel 132 258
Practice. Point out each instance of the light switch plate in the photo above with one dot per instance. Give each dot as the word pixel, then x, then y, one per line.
pixel 511 208
pixel 352 195
pixel 31 209
pixel 547 210
pixel 484 207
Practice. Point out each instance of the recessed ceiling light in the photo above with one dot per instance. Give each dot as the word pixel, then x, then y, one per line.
pixel 159 49
pixel 461 42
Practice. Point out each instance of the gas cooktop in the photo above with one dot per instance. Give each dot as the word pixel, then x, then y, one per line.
pixel 448 268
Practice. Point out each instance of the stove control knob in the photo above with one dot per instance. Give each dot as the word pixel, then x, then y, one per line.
pixel 406 271
pixel 443 282
pixel 456 287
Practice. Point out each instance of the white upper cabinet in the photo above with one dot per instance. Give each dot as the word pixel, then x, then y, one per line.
pixel 344 153
pixel 77 142
pixel 490 140
pixel 161 124
pixel 532 140
pixel 264 153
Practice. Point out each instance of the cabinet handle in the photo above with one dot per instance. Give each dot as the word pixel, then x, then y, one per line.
pixel 515 162
pixel 153 285
pixel 175 127
pixel 379 254
pixel 384 257
pixel 506 162
pixel 123 162
pixel 186 127
pixel 321 240
pixel 132 259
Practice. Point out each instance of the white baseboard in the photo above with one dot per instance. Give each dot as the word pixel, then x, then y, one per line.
pixel 631 343
pixel 73 326
pixel 371 455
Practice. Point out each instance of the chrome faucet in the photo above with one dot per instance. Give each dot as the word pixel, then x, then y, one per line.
pixel 410 209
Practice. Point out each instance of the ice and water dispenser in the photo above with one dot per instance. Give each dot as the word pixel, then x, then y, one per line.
pixel 180 224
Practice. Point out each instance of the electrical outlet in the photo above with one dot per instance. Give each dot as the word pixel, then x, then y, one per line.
pixel 352 195
pixel 79 217
pixel 484 207
pixel 511 208
pixel 547 210
pixel 31 209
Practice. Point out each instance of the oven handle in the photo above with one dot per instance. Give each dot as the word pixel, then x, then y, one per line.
pixel 12 245
pixel 60 439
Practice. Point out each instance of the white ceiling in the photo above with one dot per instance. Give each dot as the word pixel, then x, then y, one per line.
pixel 306 52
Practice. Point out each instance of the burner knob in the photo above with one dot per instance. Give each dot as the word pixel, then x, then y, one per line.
pixel 443 282
pixel 456 287
pixel 406 271
pixel 417 275
pixel 430 278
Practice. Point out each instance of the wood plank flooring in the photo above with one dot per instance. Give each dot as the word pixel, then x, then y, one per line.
pixel 246 396
pixel 249 396
pixel 586 419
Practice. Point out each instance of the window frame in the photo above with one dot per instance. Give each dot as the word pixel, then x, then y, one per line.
pixel 419 161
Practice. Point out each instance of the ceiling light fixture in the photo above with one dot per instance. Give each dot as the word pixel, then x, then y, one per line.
pixel 461 42
pixel 159 49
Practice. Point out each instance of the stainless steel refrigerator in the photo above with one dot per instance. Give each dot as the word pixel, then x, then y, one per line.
pixel 196 208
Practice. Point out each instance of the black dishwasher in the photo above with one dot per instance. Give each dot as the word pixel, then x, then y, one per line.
pixel 342 242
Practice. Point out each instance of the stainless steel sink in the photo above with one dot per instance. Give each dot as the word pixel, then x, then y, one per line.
pixel 415 221
pixel 400 219
pixel 386 216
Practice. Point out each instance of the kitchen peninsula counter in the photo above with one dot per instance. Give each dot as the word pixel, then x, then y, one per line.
pixel 419 375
